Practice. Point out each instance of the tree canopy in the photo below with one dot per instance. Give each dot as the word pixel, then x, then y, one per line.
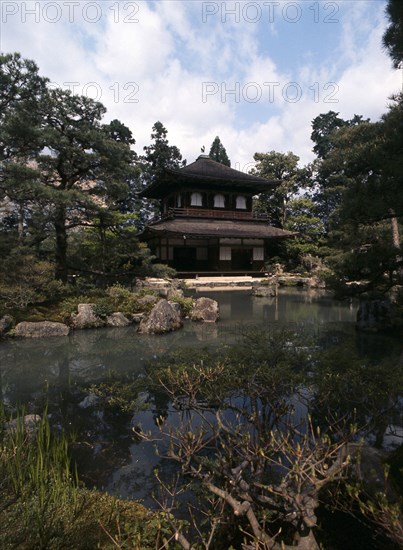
pixel 282 168
pixel 359 186
pixel 159 154
pixel 218 152
pixel 393 36
pixel 66 176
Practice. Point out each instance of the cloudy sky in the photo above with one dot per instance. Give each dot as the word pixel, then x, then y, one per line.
pixel 253 73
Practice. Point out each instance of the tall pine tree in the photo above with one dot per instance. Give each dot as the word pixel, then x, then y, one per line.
pixel 59 161
pixel 218 152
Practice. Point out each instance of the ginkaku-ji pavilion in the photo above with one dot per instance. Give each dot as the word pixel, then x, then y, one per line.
pixel 207 220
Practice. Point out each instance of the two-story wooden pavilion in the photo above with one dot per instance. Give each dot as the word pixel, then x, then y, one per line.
pixel 207 222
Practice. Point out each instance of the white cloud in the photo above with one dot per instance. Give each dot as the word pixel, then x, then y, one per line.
pixel 134 51
pixel 157 69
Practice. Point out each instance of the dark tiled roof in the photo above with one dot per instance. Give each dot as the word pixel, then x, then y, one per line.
pixel 216 228
pixel 207 173
pixel 205 167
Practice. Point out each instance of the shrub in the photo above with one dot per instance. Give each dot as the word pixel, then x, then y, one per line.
pixel 24 280
pixel 163 271
pixel 69 305
pixel 122 299
pixel 56 291
pixel 118 294
pixel 185 303
pixel 102 308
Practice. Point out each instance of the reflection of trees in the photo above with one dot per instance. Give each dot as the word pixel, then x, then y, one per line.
pixel 265 425
pixel 241 436
pixel 263 373
pixel 310 305
pixel 355 387
pixel 102 444
pixel 29 366
pixel 204 331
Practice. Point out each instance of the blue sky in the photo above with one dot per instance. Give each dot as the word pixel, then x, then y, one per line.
pixel 254 73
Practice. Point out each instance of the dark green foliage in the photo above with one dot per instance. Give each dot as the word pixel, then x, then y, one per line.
pixel 395 460
pixel 60 162
pixel 26 280
pixel 87 160
pixel 323 127
pixel 68 183
pixel 328 179
pixel 349 387
pixel 283 169
pixel 305 249
pixel 22 90
pixel 119 396
pixel 218 152
pixel 159 155
pixel 102 308
pixel 393 37
pixel 360 184
pixel 114 298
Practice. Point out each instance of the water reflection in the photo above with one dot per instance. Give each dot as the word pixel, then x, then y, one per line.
pixel 61 370
pixel 27 365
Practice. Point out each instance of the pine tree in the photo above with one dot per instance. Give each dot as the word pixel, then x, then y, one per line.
pixel 59 163
pixel 218 152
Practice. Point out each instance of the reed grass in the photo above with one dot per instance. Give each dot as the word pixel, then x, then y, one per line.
pixel 43 505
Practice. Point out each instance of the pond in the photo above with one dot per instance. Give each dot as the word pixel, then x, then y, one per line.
pixel 59 372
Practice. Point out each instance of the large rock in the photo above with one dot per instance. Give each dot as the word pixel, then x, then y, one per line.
pixel 176 306
pixel 136 317
pixel 205 309
pixel 41 329
pixel 173 293
pixel 6 324
pixel 117 320
pixel 265 291
pixel 162 318
pixel 148 300
pixel 86 318
pixel 374 316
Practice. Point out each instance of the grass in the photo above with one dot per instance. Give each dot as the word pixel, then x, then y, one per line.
pixel 43 504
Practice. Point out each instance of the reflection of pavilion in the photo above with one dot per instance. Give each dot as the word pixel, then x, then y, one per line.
pixel 207 220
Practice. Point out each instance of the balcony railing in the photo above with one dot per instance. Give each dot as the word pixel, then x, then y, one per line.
pixel 213 213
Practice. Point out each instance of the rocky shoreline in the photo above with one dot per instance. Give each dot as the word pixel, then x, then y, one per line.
pixel 163 313
pixel 163 307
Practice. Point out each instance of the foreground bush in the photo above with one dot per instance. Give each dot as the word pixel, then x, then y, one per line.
pixel 44 505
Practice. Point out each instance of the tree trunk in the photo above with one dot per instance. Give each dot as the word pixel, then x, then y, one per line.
pixel 20 223
pixel 395 232
pixel 396 242
pixel 307 542
pixel 61 270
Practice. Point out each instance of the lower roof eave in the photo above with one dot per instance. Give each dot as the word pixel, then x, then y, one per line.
pixel 180 235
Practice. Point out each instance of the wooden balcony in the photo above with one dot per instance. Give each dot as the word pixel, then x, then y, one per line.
pixel 216 213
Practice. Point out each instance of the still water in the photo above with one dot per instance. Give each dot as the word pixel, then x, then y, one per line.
pixel 27 366
pixel 59 372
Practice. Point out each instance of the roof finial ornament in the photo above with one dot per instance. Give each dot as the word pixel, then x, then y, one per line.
pixel 203 149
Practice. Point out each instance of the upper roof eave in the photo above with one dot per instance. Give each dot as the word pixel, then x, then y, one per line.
pixel 211 173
